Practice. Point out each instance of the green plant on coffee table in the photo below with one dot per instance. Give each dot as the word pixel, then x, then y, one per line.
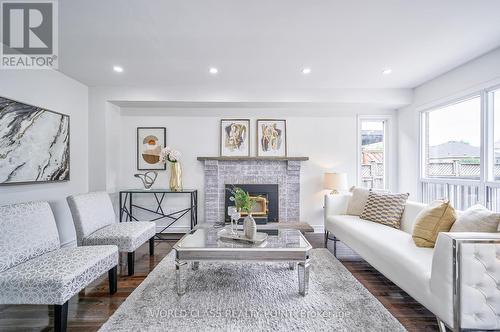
pixel 242 199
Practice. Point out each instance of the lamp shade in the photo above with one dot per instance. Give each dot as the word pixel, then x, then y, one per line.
pixel 335 181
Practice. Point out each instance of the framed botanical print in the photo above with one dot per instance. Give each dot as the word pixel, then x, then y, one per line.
pixel 235 137
pixel 271 138
pixel 150 142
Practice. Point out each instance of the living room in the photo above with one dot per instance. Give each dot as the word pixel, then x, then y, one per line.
pixel 239 165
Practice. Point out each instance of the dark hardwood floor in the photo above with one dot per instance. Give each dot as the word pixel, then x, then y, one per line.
pixel 92 307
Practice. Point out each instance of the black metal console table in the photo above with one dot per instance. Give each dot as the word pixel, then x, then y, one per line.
pixel 127 205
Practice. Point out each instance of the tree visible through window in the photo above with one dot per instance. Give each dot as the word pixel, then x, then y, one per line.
pixel 373 153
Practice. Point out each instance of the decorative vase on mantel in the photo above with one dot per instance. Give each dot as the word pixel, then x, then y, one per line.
pixel 175 176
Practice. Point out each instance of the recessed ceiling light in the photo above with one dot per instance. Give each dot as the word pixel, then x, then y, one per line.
pixel 306 71
pixel 213 70
pixel 387 71
pixel 118 69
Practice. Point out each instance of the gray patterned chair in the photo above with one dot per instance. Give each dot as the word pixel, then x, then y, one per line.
pixel 95 224
pixel 35 270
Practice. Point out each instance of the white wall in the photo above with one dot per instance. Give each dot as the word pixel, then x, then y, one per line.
pixel 57 92
pixel 329 142
pixel 312 102
pixel 321 125
pixel 473 76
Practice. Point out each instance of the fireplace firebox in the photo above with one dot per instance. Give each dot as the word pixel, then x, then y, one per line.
pixel 266 207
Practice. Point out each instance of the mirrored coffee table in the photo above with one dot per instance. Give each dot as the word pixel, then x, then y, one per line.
pixel 202 244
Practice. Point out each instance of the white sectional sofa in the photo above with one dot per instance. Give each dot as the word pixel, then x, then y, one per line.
pixel 472 260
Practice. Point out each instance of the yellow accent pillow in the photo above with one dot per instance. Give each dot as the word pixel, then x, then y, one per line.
pixel 437 217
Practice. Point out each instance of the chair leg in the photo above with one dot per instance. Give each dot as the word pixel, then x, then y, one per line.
pixel 130 261
pixel 113 280
pixel 60 317
pixel 326 239
pixel 335 246
pixel 152 246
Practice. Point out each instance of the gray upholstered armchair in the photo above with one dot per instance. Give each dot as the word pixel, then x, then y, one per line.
pixel 95 224
pixel 35 270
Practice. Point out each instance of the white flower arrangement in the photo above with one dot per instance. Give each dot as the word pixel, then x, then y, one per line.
pixel 168 154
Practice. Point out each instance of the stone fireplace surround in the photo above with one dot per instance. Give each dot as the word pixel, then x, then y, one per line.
pixel 285 172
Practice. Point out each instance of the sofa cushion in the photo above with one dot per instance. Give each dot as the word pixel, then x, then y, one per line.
pixel 28 230
pixel 91 212
pixel 477 218
pixel 412 209
pixel 55 277
pixel 128 236
pixel 385 208
pixel 437 217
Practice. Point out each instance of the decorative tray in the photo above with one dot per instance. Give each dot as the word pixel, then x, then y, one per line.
pixel 240 236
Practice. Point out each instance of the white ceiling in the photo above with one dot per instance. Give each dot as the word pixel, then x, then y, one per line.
pixel 264 44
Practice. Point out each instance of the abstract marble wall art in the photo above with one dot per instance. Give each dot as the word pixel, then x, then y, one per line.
pixel 150 142
pixel 34 144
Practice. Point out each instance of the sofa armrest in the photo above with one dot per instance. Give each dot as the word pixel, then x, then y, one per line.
pixel 465 278
pixel 336 204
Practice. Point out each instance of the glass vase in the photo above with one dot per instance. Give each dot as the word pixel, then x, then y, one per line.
pixel 175 176
pixel 234 227
pixel 234 216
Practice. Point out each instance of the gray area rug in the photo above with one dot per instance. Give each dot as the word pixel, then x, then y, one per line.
pixel 253 297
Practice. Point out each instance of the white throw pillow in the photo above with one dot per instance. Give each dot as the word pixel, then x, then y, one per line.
pixel 477 218
pixel 358 201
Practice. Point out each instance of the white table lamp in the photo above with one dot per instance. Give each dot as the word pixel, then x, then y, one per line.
pixel 335 182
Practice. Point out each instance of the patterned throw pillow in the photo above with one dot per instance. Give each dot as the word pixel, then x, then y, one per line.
pixel 385 208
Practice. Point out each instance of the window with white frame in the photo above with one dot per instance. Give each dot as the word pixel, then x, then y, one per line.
pixel 452 140
pixel 373 152
pixel 460 151
pixel 494 101
pixel 492 177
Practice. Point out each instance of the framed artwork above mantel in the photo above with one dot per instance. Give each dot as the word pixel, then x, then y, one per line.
pixel 271 138
pixel 234 137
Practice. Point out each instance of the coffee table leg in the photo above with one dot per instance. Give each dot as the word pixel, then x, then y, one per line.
pixel 180 271
pixel 291 265
pixel 195 265
pixel 303 269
